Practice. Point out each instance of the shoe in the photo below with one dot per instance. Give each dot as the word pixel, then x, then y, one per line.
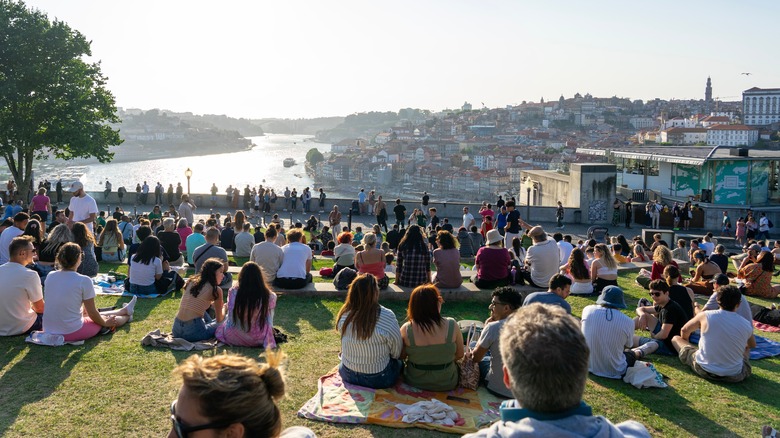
pixel 643 302
pixel 776 274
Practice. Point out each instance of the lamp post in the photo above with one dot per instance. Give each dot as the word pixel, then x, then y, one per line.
pixel 528 202
pixel 188 174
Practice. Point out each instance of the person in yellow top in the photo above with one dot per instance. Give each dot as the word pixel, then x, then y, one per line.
pixel 616 254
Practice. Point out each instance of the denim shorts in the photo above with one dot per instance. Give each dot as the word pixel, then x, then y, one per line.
pixel 383 379
pixel 194 330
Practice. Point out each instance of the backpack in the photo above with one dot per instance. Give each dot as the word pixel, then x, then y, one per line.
pixel 769 222
pixel 344 278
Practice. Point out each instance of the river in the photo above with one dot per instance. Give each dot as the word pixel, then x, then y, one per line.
pixel 260 165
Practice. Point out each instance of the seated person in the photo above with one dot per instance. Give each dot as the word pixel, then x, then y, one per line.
pixel 466 249
pixel 311 225
pixel 720 258
pixel 393 237
pixel 617 249
pixel 681 252
pixel 662 257
pixel 609 333
pixel 492 263
pixel 146 267
pixel 548 393
pixel 757 277
pixel 371 260
pixel 344 253
pixel 706 270
pixel 664 320
pixel 170 240
pixel 250 314
pixel 193 241
pixel 678 293
pixel 446 258
pixel 296 266
pixel 749 255
pixel 244 241
pixel 745 309
pixel 192 322
pixel 477 241
pixel 325 236
pixel 22 305
pixel 577 270
pixel 226 237
pixel 432 343
pixel 71 311
pixel 603 268
pixel 358 237
pixel 487 351
pixel 211 249
pixel 111 243
pixel 390 263
pixel 268 255
pixel 330 251
pixel 542 259
pixel 726 339
pixel 559 289
pixel 370 337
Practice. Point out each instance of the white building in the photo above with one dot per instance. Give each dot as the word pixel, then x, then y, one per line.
pixel 732 135
pixel 761 106
pixel 642 122
pixel 684 135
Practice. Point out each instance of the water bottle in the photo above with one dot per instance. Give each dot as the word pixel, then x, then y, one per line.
pixel 47 338
pixel 514 275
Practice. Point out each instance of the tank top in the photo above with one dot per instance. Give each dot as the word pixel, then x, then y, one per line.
pixel 722 346
pixel 432 367
pixel 376 269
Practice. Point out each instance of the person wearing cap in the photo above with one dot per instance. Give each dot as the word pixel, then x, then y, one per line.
pixel 749 255
pixel 726 339
pixel 492 263
pixel 83 207
pixel 610 335
pixel 542 259
pixel 720 280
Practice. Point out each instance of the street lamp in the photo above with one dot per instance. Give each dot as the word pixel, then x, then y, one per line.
pixel 188 174
pixel 528 202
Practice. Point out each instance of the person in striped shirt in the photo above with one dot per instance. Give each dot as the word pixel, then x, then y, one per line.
pixel 370 337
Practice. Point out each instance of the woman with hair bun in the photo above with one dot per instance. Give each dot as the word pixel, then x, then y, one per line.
pixel 231 396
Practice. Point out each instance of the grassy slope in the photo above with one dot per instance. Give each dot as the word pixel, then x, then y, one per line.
pixel 112 385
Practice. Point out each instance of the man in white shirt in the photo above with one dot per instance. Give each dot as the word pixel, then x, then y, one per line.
pixel 244 242
pixel 83 207
pixel 564 246
pixel 763 227
pixel 542 259
pixel 294 272
pixel 21 297
pixel 186 209
pixel 468 219
pixel 268 255
pixel 8 235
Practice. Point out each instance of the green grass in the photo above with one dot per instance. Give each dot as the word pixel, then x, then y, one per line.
pixel 113 385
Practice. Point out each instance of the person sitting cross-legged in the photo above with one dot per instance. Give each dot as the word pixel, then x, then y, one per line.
pixel 556 294
pixel 548 392
pixel 726 339
pixel 296 265
pixel 664 320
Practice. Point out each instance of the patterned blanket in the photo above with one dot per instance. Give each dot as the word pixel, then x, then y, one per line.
pixel 338 402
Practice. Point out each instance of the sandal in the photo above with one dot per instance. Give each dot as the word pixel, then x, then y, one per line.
pixel 768 432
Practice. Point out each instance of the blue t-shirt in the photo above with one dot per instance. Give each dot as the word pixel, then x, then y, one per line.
pixel 501 220
pixel 547 298
pixel 362 197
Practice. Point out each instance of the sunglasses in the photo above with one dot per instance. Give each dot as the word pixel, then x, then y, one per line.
pixel 655 294
pixel 182 431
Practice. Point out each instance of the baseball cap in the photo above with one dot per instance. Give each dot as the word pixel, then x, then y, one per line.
pixel 76 186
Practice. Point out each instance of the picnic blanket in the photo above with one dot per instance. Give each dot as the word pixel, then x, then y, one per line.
pixel 764 348
pixel 338 402
pixel 103 286
pixel 156 338
pixel 766 327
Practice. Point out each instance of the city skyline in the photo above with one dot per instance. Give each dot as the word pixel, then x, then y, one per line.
pixel 311 59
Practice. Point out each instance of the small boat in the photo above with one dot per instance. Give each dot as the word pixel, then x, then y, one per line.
pixel 289 162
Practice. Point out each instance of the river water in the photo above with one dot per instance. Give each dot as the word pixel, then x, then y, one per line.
pixel 263 162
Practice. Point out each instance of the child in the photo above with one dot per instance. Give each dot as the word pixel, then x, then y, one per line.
pixel 331 247
pixel 358 234
pixel 389 267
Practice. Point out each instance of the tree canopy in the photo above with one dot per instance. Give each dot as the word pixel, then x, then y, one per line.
pixel 314 156
pixel 52 102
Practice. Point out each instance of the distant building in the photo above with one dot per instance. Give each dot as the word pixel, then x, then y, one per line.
pixel 684 135
pixel 642 122
pixel 732 135
pixel 761 106
pixel 466 106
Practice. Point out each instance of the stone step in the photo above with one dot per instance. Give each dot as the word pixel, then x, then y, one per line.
pixel 467 292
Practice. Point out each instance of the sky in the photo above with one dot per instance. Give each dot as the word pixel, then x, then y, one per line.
pixel 302 59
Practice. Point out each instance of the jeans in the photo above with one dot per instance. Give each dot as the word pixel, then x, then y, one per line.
pixel 137 289
pixel 292 283
pixel 383 379
pixel 195 330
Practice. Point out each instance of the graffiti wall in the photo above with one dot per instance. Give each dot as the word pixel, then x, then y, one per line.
pixel 731 182
pixel 686 180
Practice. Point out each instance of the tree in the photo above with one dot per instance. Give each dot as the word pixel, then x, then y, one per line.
pixel 314 156
pixel 52 102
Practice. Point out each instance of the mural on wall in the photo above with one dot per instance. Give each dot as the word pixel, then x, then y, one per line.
pixel 759 182
pixel 597 211
pixel 686 180
pixel 731 182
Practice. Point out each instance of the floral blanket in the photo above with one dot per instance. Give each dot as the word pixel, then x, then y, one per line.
pixel 338 402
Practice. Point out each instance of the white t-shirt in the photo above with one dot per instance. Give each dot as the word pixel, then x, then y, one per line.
pixel 545 260
pixel 5 241
pixel 708 247
pixel 294 264
pixel 142 274
pixel 468 218
pixel 21 288
pixel 269 256
pixel 564 249
pixel 65 292
pixel 244 243
pixel 607 332
pixel 81 208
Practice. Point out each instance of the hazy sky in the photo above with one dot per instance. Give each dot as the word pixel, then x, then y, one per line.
pixel 317 58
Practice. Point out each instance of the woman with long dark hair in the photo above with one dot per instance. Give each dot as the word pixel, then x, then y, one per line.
pixel 432 343
pixel 250 316
pixel 84 238
pixel 111 242
pixel 202 291
pixel 603 269
pixel 447 260
pixel 576 269
pixel 758 277
pixel 371 341
pixel 146 267
pixel 414 260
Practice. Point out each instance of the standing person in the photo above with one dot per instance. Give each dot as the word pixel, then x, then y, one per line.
pixel 400 213
pixel 41 205
pixel 740 232
pixel 432 343
pixel 468 219
pixel 138 194
pixel 371 342
pixel 616 212
pixel 362 197
pixel 725 229
pixel 380 208
pixel 334 218
pixel 158 193
pixel 629 213
pixel 107 191
pixel 293 199
pixel 559 215
pixel 514 224
pixel 22 306
pixel 763 227
pixel 250 314
pixel 83 207
pixel 726 339
pixel 414 259
pixel 424 203
pixel 214 191
pixel 687 214
pixel 322 200
pixel 169 194
pixel 144 193
pixel 192 322
pixel 655 214
pixel 371 202
pixel 71 311
pixel 120 193
pixel 179 190
pixel 287 194
pixel 186 209
pixel 58 189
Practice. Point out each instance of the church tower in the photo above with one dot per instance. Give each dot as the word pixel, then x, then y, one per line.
pixel 708 91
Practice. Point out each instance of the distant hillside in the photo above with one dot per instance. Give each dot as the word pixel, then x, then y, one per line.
pixel 245 127
pixel 365 125
pixel 298 126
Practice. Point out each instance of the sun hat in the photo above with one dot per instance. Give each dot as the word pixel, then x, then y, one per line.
pixel 612 296
pixel 493 236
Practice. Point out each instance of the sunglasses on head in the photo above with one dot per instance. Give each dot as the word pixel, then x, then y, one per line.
pixel 182 431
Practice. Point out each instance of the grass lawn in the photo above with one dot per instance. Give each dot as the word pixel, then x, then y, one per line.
pixel 112 385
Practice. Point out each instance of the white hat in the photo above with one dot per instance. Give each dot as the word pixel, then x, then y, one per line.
pixel 493 236
pixel 76 186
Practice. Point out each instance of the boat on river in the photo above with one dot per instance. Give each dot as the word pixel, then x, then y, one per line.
pixel 289 162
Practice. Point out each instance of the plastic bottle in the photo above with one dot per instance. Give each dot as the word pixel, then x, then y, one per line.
pixel 514 275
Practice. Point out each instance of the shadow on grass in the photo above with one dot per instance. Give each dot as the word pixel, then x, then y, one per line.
pixel 292 310
pixel 35 376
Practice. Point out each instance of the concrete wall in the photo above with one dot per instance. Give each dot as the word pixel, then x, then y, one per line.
pixel 595 186
pixel 549 188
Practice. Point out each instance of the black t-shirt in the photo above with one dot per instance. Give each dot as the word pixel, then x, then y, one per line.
pixel 393 237
pixel 434 221
pixel 513 222
pixel 673 314
pixel 447 227
pixel 425 199
pixel 432 241
pixel 170 240
pixel 721 260
pixel 259 236
pixel 400 212
pixel 226 239
pixel 500 203
pixel 679 294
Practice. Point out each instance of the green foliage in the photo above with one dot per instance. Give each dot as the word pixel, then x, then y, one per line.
pixel 52 102
pixel 314 156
